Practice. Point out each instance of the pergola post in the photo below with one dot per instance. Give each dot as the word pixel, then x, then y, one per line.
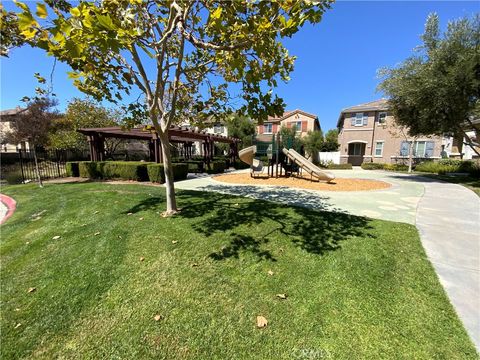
pixel 91 147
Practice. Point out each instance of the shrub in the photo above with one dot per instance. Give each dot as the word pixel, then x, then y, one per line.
pixel 89 169
pixel 449 166
pixel 216 167
pixel 395 167
pixel 373 166
pixel 13 176
pixel 72 169
pixel 125 170
pixel 156 173
pixel 339 166
pixel 239 164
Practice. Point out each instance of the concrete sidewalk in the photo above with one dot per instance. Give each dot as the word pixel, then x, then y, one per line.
pixel 448 219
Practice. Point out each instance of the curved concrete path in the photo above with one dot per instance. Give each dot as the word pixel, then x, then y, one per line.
pixel 448 219
pixel 446 215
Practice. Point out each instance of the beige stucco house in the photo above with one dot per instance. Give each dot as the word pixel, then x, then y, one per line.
pixel 6 119
pixel 368 133
pixel 303 122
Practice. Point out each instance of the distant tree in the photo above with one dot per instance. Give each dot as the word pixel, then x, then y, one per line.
pixel 241 127
pixel 290 137
pixel 313 143
pixel 180 55
pixel 33 125
pixel 331 141
pixel 83 113
pixel 437 90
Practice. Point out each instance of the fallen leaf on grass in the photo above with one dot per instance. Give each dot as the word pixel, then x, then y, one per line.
pixel 140 218
pixel 142 258
pixel 194 265
pixel 174 241
pixel 18 325
pixel 17 309
pixel 270 272
pixel 83 225
pixel 261 322
pixel 97 233
pixel 56 237
pixel 96 212
pixel 32 289
pixel 281 296
pixel 157 317
pixel 129 213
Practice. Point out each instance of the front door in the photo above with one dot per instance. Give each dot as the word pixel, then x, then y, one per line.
pixel 355 153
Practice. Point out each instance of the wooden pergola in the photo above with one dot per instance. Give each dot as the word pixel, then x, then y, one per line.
pixel 177 134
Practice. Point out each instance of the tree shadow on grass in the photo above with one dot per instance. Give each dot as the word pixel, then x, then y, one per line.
pixel 237 219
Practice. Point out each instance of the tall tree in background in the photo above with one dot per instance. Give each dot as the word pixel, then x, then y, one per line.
pixel 181 55
pixel 331 141
pixel 313 143
pixel 241 127
pixel 83 113
pixel 33 125
pixel 437 90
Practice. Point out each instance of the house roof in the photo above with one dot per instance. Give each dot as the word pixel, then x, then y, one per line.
pixel 376 105
pixel 11 112
pixel 289 113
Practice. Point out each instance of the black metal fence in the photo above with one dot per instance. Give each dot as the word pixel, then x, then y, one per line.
pixel 19 166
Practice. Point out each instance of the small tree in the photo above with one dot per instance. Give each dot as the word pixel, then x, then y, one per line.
pixel 314 143
pixel 33 125
pixel 437 90
pixel 83 113
pixel 181 55
pixel 331 141
pixel 241 127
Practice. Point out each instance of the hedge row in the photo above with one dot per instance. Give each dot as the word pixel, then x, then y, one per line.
pixel 382 166
pixel 216 167
pixel 449 166
pixel 339 166
pixel 125 170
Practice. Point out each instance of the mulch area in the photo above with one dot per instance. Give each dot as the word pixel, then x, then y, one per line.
pixel 339 184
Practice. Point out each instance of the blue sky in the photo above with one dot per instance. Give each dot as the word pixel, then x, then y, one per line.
pixel 337 59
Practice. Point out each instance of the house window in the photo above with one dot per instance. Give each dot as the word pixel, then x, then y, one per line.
pixel 298 126
pixel 267 128
pixel 382 118
pixel 379 148
pixel 218 128
pixel 421 149
pixel 359 119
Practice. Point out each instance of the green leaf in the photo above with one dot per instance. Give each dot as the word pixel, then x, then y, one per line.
pixel 21 5
pixel 42 11
pixel 106 22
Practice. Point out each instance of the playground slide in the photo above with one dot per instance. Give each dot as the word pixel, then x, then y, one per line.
pixel 308 166
pixel 247 155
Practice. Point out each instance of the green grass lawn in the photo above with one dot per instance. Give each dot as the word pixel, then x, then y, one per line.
pixel 357 288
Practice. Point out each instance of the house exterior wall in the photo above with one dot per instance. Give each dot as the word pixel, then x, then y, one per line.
pixel 5 127
pixel 307 124
pixel 371 132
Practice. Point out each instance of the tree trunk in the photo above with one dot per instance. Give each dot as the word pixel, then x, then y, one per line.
pixel 168 170
pixel 37 170
pixel 411 144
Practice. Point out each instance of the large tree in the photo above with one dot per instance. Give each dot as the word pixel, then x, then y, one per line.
pixel 437 90
pixel 182 55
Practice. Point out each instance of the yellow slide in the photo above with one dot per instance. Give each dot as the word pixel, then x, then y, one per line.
pixel 308 166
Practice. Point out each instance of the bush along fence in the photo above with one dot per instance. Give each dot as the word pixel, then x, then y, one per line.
pixel 19 167
pixel 125 170
pixel 444 166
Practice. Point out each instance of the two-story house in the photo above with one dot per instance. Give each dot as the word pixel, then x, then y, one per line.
pixel 303 122
pixel 368 133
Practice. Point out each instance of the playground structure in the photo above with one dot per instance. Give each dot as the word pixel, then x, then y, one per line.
pixel 280 156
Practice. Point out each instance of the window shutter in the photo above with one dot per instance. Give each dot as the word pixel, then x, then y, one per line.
pixel 304 125
pixel 365 119
pixel 353 119
pixel 260 129
pixel 429 148
pixel 289 125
